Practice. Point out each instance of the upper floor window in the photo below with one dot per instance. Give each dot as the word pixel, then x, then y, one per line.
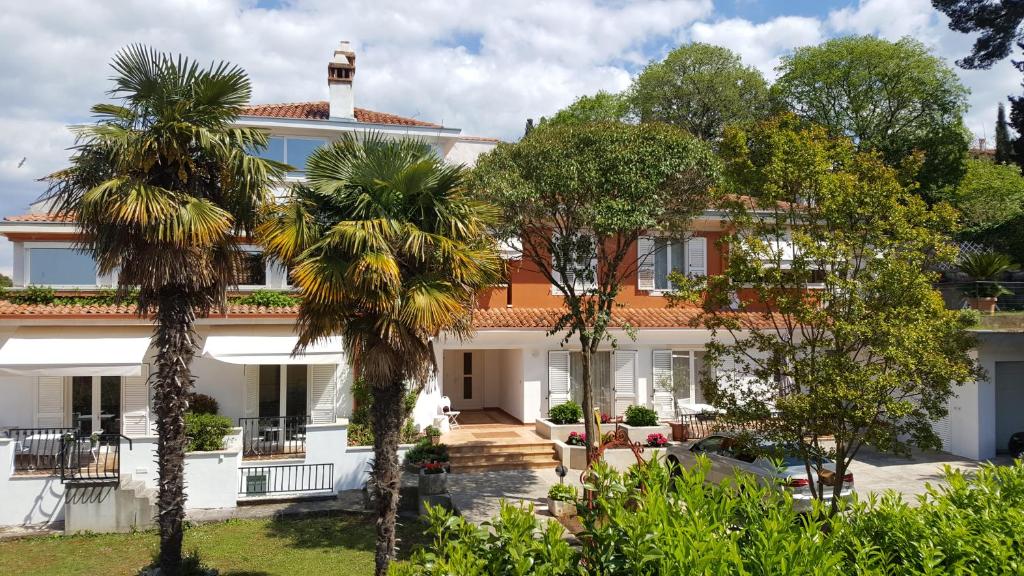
pixel 294 151
pixel 252 270
pixel 59 266
pixel 658 258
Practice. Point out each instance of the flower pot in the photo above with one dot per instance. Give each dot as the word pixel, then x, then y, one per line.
pixel 985 305
pixel 678 431
pixel 561 508
pixel 433 484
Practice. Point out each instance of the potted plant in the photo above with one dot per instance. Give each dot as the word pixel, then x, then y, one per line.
pixel 576 439
pixel 433 478
pixel 656 440
pixel 562 501
pixel 985 269
pixel 434 433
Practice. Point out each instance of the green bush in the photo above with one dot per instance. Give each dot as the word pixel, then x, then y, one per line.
pixel 562 492
pixel 33 295
pixel 206 432
pixel 568 413
pixel 641 416
pixel 651 521
pixel 268 299
pixel 202 404
pixel 424 451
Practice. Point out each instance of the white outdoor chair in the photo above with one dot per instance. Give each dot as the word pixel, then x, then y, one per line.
pixel 446 410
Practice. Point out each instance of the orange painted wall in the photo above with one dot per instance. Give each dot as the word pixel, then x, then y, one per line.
pixel 531 290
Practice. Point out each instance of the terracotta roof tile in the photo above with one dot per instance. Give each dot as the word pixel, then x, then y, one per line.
pixel 319 111
pixel 491 318
pixel 42 217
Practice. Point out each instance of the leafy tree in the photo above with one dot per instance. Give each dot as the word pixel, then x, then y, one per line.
pixel 162 187
pixel 989 195
pixel 700 88
pixel 892 97
pixel 844 335
pixel 5 281
pixel 1004 144
pixel 998 21
pixel 576 195
pixel 388 250
pixel 601 107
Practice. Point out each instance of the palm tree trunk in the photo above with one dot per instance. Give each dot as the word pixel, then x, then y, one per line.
pixel 175 346
pixel 387 424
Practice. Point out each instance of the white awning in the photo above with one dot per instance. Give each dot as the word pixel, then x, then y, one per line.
pixel 63 351
pixel 268 345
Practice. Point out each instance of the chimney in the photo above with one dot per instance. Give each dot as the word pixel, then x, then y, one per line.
pixel 340 72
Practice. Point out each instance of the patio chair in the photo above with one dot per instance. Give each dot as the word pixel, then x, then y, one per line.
pixel 446 410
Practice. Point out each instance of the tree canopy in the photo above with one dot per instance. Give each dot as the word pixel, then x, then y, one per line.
pixel 600 107
pixel 998 23
pixel 870 355
pixel 700 88
pixel 891 97
pixel 577 196
pixel 990 195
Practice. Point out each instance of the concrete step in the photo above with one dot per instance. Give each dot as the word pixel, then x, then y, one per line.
pixel 507 458
pixel 499 467
pixel 491 449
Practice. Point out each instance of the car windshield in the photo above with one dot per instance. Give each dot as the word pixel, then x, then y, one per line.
pixel 786 455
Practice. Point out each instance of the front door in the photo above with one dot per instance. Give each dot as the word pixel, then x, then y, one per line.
pixel 283 390
pixel 463 382
pixel 95 404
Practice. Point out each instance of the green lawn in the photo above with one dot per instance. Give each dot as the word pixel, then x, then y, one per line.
pixel 339 543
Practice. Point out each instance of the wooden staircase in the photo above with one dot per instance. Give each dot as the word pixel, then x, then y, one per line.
pixel 486 457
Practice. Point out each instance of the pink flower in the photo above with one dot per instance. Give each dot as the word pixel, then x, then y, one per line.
pixel 656 440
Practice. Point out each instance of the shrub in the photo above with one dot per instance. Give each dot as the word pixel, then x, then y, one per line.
pixel 576 439
pixel 360 434
pixel 202 404
pixel 431 431
pixel 568 413
pixel 206 432
pixel 268 299
pixel 641 416
pixel 34 295
pixel 656 440
pixel 562 492
pixel 424 451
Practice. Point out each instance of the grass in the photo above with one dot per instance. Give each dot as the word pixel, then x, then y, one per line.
pixel 251 547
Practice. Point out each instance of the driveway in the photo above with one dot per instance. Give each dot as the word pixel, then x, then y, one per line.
pixel 877 472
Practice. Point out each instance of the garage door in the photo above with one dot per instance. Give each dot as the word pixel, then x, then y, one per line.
pixel 1009 379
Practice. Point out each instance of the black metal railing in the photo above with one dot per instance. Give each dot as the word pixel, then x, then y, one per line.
pixel 285 479
pixel 1009 294
pixel 273 436
pixel 93 458
pixel 37 449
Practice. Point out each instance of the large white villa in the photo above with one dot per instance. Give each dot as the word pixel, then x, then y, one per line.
pixel 69 370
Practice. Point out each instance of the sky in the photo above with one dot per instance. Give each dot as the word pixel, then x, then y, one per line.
pixel 480 65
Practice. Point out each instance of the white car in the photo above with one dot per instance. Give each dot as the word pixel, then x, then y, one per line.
pixel 726 457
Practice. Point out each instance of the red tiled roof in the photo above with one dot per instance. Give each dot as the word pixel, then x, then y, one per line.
pixel 41 217
pixel 682 317
pixel 320 111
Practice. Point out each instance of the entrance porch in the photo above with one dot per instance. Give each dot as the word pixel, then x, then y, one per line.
pixel 491 439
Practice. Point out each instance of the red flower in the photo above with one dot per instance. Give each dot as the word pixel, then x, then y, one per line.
pixel 656 440
pixel 432 467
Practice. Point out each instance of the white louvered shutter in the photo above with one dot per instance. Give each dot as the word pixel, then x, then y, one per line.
pixel 49 401
pixel 625 379
pixel 252 391
pixel 943 428
pixel 323 389
pixel 135 419
pixel 645 263
pixel 558 377
pixel 697 256
pixel 664 399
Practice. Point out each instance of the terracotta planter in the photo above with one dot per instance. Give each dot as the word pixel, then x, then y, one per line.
pixel 561 509
pixel 433 484
pixel 986 305
pixel 678 431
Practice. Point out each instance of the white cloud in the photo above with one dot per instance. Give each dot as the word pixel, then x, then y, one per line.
pixel 761 45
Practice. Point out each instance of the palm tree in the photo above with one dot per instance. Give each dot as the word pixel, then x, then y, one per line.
pixel 388 251
pixel 162 187
pixel 985 269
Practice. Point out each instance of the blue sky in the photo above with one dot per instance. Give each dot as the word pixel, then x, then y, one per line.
pixel 481 65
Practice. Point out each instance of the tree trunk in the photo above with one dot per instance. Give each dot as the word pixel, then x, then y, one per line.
pixel 589 426
pixel 387 424
pixel 175 345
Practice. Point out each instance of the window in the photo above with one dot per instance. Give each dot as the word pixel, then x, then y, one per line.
pixel 293 151
pixel 295 394
pixel 96 404
pixel 668 258
pixel 270 391
pixel 60 267
pixel 603 378
pixel 283 390
pixel 467 375
pixel 252 270
pixel 582 274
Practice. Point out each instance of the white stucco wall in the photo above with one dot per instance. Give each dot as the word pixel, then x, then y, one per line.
pixel 973 410
pixel 18 408
pixel 27 500
pixel 211 478
pixel 224 382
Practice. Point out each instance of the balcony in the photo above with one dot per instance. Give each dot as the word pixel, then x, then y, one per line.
pixel 273 437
